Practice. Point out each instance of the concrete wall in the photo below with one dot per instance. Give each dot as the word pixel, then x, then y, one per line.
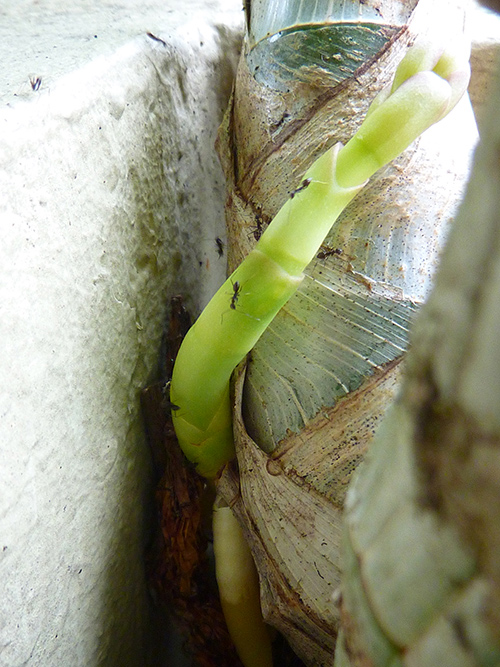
pixel 110 200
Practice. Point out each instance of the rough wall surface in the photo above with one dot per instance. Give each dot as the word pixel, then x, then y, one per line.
pixel 110 200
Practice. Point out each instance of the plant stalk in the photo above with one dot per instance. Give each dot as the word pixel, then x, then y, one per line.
pixel 246 303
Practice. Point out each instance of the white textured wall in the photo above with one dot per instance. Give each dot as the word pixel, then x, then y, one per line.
pixel 110 200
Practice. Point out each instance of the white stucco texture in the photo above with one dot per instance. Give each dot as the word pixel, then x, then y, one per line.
pixel 111 197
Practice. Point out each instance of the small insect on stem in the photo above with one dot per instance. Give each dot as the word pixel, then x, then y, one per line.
pixel 237 287
pixel 220 246
pixel 235 295
pixel 35 83
pixel 234 300
pixel 304 184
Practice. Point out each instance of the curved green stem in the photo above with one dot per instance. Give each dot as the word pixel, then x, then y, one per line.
pixel 426 86
pixel 240 312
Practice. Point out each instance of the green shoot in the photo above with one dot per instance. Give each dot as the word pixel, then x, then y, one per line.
pixel 238 584
pixel 427 84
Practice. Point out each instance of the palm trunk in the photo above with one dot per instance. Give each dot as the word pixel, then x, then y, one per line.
pixel 322 376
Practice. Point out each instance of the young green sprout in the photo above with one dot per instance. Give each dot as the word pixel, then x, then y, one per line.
pixel 427 85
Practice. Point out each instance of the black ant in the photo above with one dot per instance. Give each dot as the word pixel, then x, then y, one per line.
pixel 235 295
pixel 234 300
pixel 325 252
pixel 304 184
pixel 35 83
pixel 220 246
